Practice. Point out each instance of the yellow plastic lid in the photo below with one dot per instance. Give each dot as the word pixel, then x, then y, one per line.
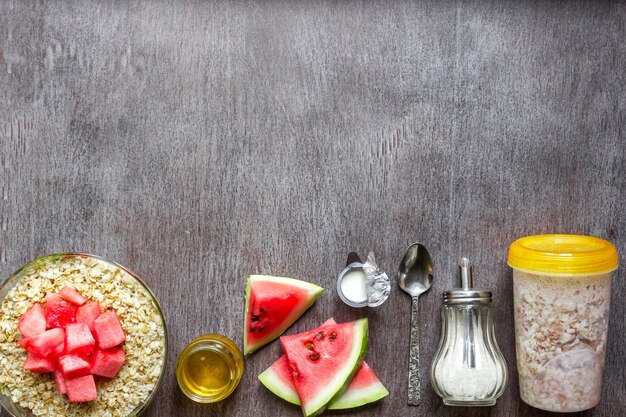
pixel 563 255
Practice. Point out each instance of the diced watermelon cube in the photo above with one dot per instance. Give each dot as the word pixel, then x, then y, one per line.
pixel 39 364
pixel 58 312
pixel 59 379
pixel 72 295
pixel 59 350
pixel 74 365
pixel 108 330
pixel 81 389
pixel 24 342
pixel 107 363
pixel 54 300
pixel 87 313
pixel 47 342
pixel 78 338
pixel 33 321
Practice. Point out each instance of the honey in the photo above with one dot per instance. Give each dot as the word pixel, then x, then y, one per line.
pixel 209 368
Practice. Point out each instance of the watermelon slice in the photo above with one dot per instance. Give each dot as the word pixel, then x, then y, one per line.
pixel 278 379
pixel 323 362
pixel 272 305
pixel 364 388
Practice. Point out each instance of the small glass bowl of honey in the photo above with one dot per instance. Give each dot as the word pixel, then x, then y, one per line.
pixel 209 368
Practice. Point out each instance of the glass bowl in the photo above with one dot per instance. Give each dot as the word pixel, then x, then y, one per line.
pixel 209 368
pixel 113 286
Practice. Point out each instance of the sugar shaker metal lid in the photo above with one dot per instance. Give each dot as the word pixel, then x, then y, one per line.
pixel 467 293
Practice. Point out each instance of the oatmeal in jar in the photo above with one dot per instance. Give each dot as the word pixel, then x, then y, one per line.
pixel 562 294
pixel 560 339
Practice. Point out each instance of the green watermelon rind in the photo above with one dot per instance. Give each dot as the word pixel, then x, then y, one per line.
pixel 335 389
pixel 349 399
pixel 358 397
pixel 273 382
pixel 315 291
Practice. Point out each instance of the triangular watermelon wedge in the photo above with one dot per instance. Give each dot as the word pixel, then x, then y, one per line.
pixel 364 388
pixel 272 305
pixel 323 362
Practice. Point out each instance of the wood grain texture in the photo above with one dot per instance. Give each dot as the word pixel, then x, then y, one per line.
pixel 198 142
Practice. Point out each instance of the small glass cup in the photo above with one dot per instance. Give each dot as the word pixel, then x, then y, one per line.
pixel 209 368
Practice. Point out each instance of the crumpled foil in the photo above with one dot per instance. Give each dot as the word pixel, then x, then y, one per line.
pixel 377 283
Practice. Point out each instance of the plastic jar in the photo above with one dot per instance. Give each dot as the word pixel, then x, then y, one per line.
pixel 562 293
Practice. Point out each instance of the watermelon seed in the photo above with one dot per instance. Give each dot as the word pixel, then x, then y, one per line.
pixel 254 317
pixel 261 310
pixel 252 329
pixel 309 345
pixel 314 356
pixel 319 336
pixel 261 328
pixel 332 336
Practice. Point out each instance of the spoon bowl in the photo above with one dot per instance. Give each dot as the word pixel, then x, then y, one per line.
pixel 415 277
pixel 415 274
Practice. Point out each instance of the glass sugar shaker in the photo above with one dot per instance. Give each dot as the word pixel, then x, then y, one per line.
pixel 468 368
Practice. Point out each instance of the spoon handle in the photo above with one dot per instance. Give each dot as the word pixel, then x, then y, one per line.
pixel 414 357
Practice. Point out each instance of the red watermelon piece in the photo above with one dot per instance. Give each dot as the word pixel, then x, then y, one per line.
pixel 59 350
pixel 33 321
pixel 24 342
pixel 74 365
pixel 58 312
pixel 107 363
pixel 364 388
pixel 72 335
pixel 59 380
pixel 81 389
pixel 47 342
pixel 272 305
pixel 108 330
pixel 87 313
pixel 78 338
pixel 71 295
pixel 39 364
pixel 323 362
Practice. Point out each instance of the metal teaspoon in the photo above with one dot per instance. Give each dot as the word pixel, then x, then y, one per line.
pixel 415 276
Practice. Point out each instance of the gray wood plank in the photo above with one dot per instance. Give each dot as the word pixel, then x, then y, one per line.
pixel 199 142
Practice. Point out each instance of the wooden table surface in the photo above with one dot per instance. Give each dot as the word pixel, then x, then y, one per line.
pixel 199 142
